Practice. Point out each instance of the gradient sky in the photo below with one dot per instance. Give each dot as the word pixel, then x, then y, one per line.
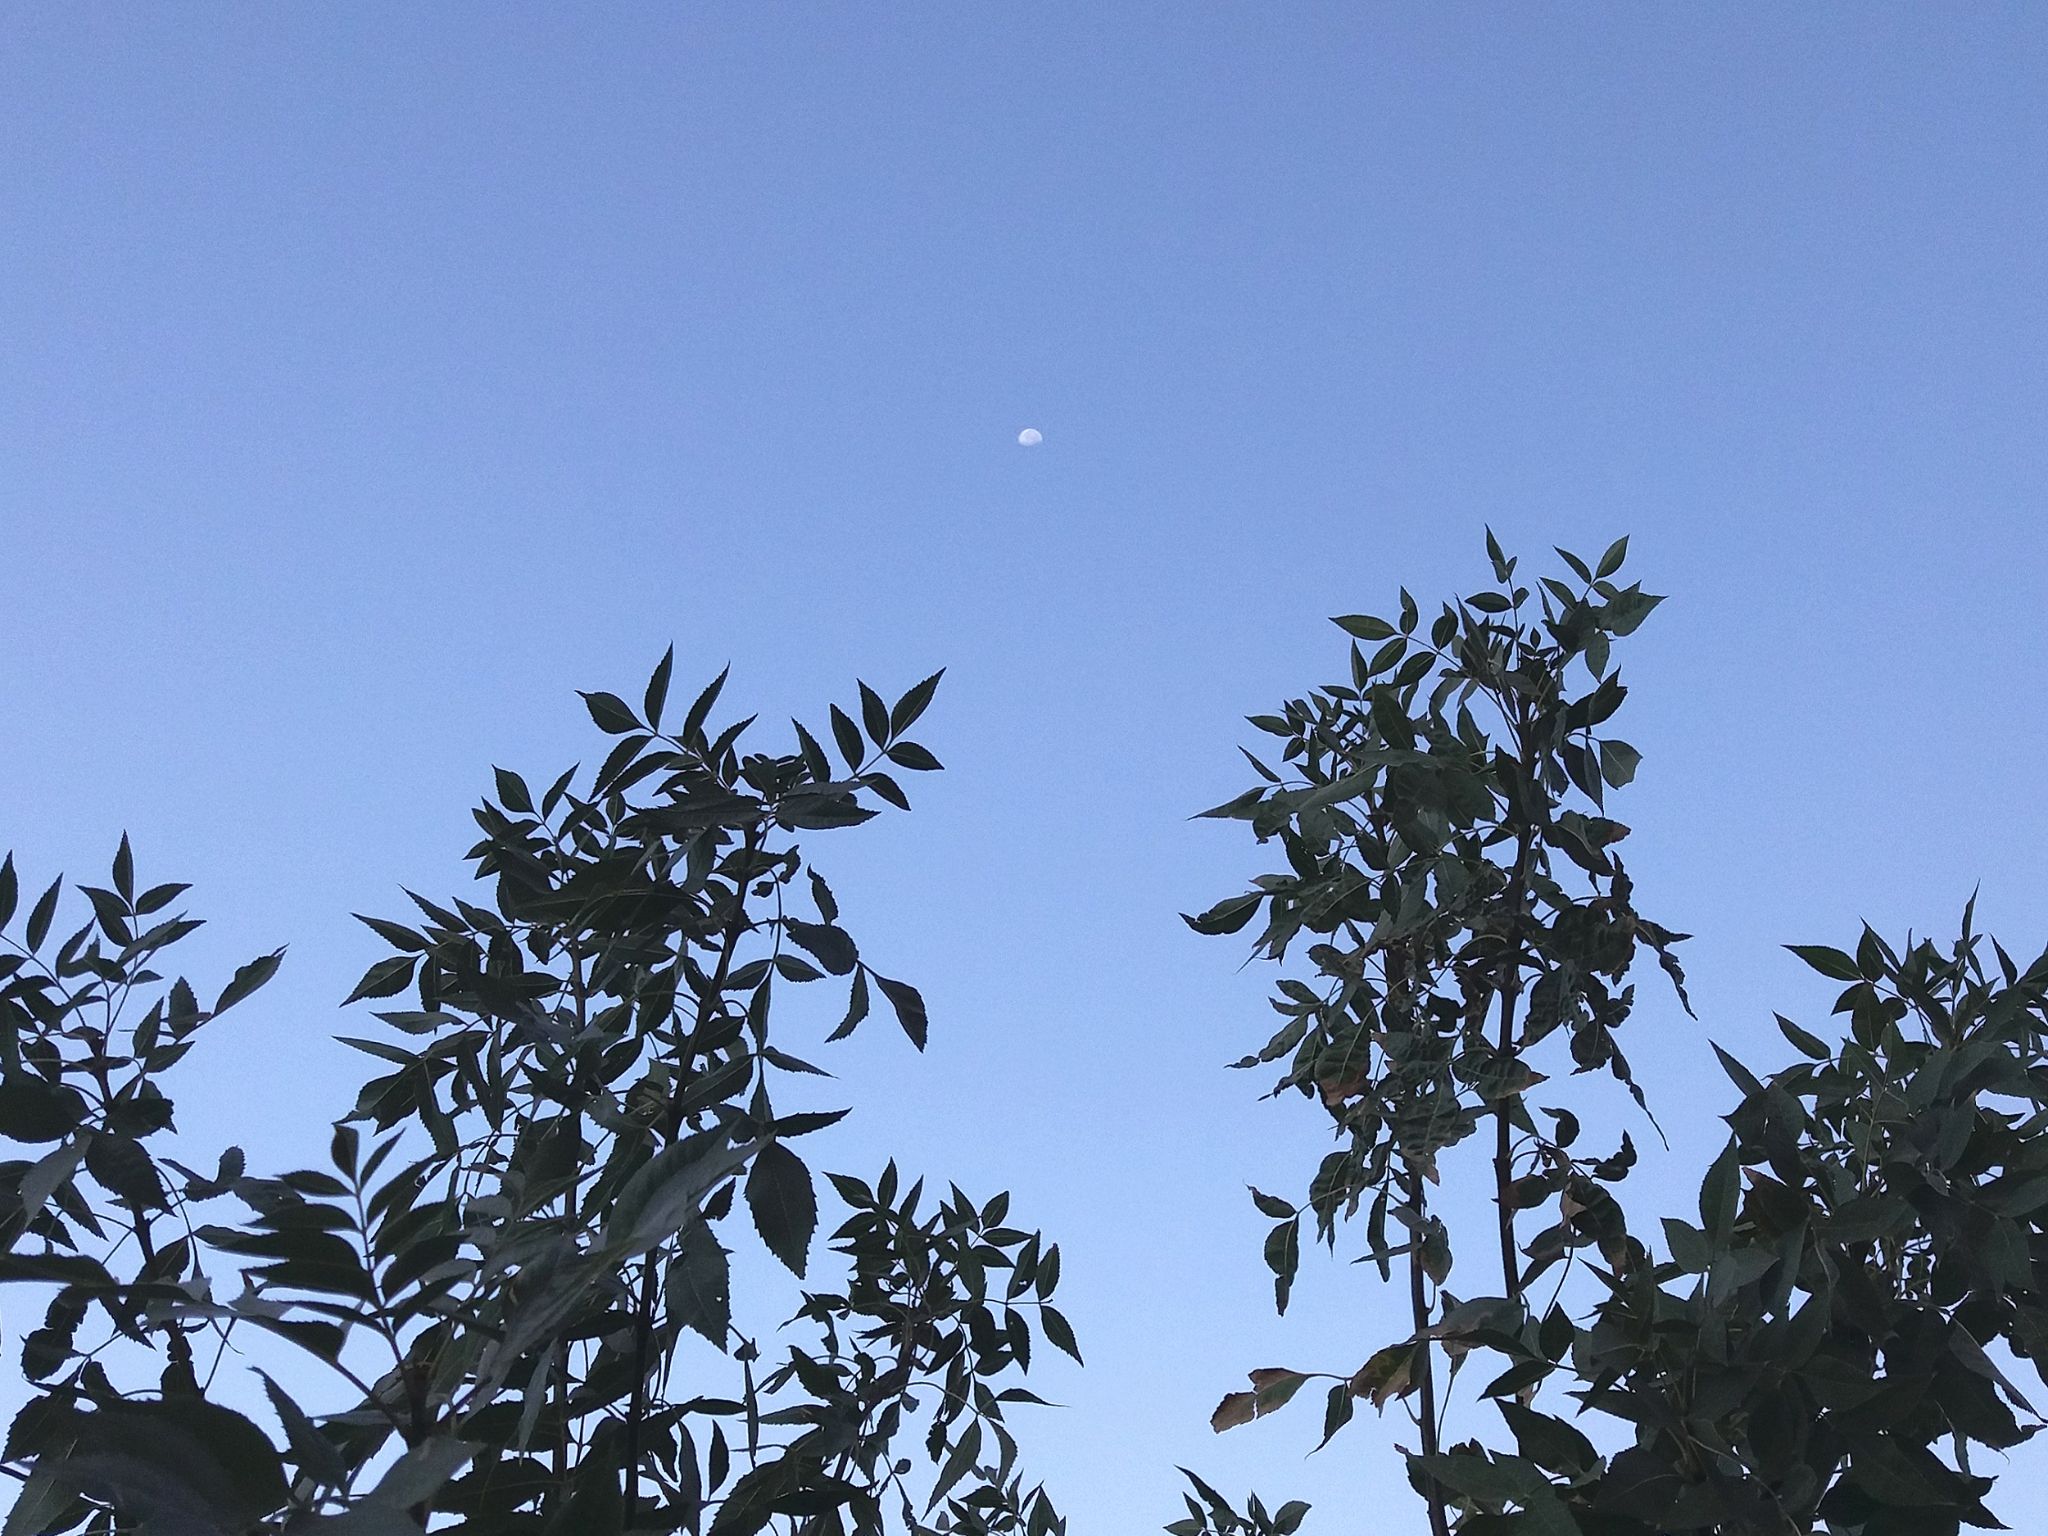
pixel 373 376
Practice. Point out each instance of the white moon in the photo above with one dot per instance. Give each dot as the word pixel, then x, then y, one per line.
pixel 1030 437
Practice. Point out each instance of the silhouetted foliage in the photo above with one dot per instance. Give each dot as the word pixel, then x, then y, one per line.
pixel 527 1215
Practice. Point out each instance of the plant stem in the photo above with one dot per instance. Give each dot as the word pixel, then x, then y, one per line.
pixel 1424 1378
pixel 1510 995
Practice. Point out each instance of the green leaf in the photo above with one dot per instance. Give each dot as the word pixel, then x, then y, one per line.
pixel 1611 561
pixel 40 915
pixel 512 792
pixel 1831 963
pixel 908 754
pixel 1549 1442
pixel 387 978
pixel 316 1454
pixel 833 946
pixel 1058 1331
pixel 1802 1041
pixel 1273 1206
pixel 657 688
pixel 610 713
pixel 912 705
pixel 1226 916
pixel 664 1195
pixel 1363 626
pixel 700 711
pixel 10 890
pixel 1618 763
pixel 847 736
pixel 247 979
pixel 874 714
pixel 700 1285
pixel 1719 1193
pixel 124 870
pixel 783 1204
pixel 35 1110
pixel 856 1007
pixel 909 1006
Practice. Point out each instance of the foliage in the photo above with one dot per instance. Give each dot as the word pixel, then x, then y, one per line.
pixel 527 1217
pixel 1819 1351
pixel 1443 819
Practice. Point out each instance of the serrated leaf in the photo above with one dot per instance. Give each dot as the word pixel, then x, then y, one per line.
pixel 1058 1331
pixel 1830 962
pixel 387 978
pixel 846 736
pixel 908 754
pixel 874 714
pixel 512 792
pixel 783 1204
pixel 909 1006
pixel 610 713
pixel 904 714
pixel 657 688
pixel 247 979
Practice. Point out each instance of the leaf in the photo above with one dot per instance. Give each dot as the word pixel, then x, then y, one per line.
pixel 316 1454
pixel 1363 626
pixel 1831 963
pixel 1807 1044
pixel 700 1285
pixel 833 946
pixel 1273 1206
pixel 247 979
pixel 907 709
pixel 847 737
pixel 1618 762
pixel 909 1006
pixel 40 915
pixel 512 793
pixel 1719 1192
pixel 1058 1331
pixel 1549 1442
pixel 33 1109
pixel 387 978
pixel 610 713
pixel 44 1177
pixel 1226 916
pixel 700 710
pixel 1235 1409
pixel 664 1195
pixel 10 890
pixel 420 1473
pixel 856 1007
pixel 1611 561
pixel 783 1204
pixel 908 754
pixel 657 688
pixel 874 714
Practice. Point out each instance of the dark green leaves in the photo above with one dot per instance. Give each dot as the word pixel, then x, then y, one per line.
pixel 908 1004
pixel 247 979
pixel 611 714
pixel 783 1204
pixel 657 688
pixel 908 709
pixel 1831 963
pixel 832 946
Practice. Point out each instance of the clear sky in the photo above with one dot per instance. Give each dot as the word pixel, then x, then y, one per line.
pixel 372 376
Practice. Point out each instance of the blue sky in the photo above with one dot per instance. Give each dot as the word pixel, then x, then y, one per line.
pixel 374 376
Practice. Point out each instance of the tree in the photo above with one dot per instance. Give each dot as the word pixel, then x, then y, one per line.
pixel 1880 1215
pixel 525 1217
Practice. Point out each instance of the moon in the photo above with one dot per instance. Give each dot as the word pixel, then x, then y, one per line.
pixel 1030 437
